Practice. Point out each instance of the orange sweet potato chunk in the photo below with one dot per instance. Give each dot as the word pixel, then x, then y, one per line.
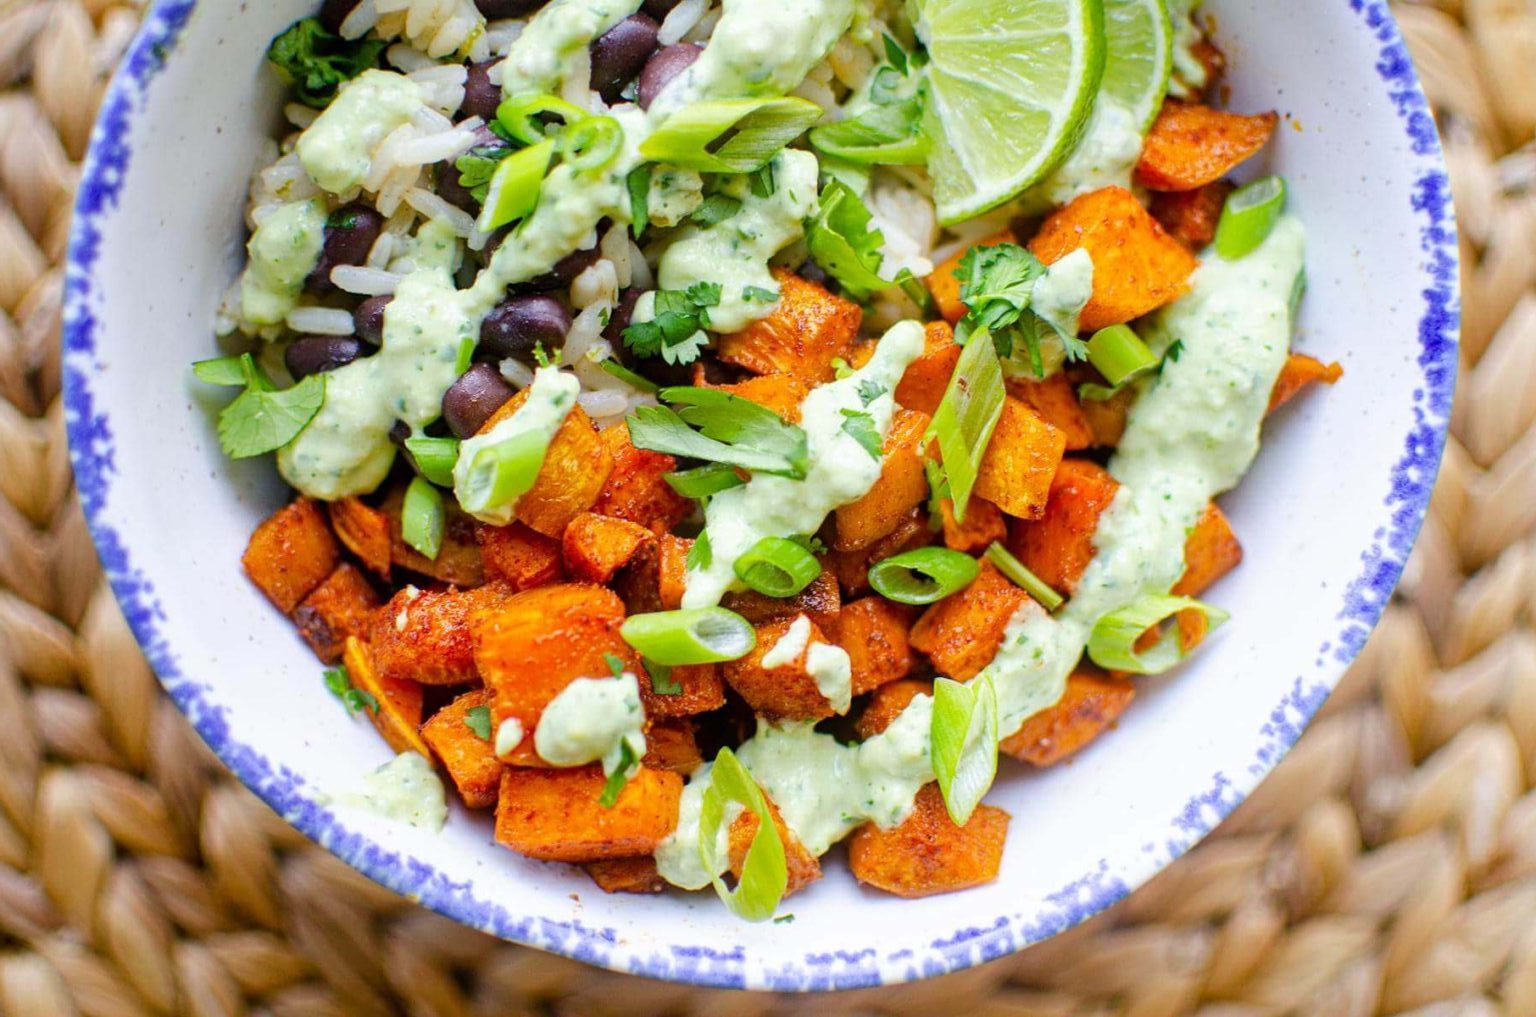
pixel 1055 401
pixel 341 606
pixel 364 531
pixel 961 633
pixel 1191 145
pixel 1210 551
pixel 554 815
pixel 928 854
pixel 702 690
pixel 784 692
pixel 576 467
pixel 803 868
pixel 901 487
pixel 291 553
pixel 886 703
pixel 635 489
pixel 1299 372
pixel 873 632
pixel 626 875
pixel 519 557
pixel 425 635
pixel 1106 417
pixel 820 600
pixel 469 759
pixel 852 567
pixel 1059 545
pixel 1137 267
pixel 595 547
pixel 458 560
pixel 808 329
pixel 781 393
pixel 984 523
pixel 398 717
pixel 1090 706
pixel 1020 461
pixel 944 284
pixel 1190 217
pixel 671 745
pixel 672 570
pixel 922 385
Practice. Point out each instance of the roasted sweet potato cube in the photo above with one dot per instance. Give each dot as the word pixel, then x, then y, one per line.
pixel 1106 417
pixel 961 633
pixel 820 600
pixel 520 557
pixel 635 489
pixel 458 559
pixel 803 868
pixel 701 689
pixel 808 329
pixel 922 386
pixel 1055 401
pixel 1020 461
pixel 1137 267
pixel 1191 145
pixel 1190 217
pixel 595 547
pixel 426 635
pixel 1091 704
pixel 469 759
pixel 785 691
pixel 852 567
pixel 928 853
pixel 554 815
pixel 944 284
pixel 781 393
pixel 398 717
pixel 1299 372
pixel 983 524
pixel 670 745
pixel 672 570
pixel 1058 546
pixel 1210 551
pixel 626 875
pixel 341 606
pixel 886 703
pixel 576 467
pixel 291 553
pixel 873 632
pixel 901 487
pixel 364 531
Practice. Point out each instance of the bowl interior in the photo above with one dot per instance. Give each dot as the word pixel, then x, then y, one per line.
pixel 1326 518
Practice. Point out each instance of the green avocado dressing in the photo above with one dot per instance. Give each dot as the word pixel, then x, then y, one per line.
pixel 541 57
pixel 283 251
pixel 405 790
pixel 337 149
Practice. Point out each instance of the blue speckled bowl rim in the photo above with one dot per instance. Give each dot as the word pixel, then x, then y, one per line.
pixel 1412 477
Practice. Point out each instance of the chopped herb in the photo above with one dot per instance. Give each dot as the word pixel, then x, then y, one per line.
pixel 678 319
pixel 316 62
pixel 478 720
pixel 619 777
pixel 870 390
pixel 811 544
pixel 339 682
pixel 894 54
pixel 541 355
pixel 700 555
pixel 263 418
pixel 860 426
pixel 716 209
pixel 639 184
pixel 841 368
pixel 759 295
pixel 841 241
pixel 703 481
pixel 630 378
pixel 730 430
pixel 662 683
pixel 762 181
pixel 1174 350
pixel 784 919
pixel 477 166
pixel 996 285
pixel 615 664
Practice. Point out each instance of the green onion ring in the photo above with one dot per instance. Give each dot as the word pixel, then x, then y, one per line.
pixel 777 567
pixel 703 635
pixel 923 576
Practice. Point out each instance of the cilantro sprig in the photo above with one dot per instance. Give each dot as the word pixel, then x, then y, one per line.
pixel 676 329
pixel 478 720
pixel 263 418
pixel 997 283
pixel 719 427
pixel 316 62
pixel 339 682
pixel 477 166
pixel 842 242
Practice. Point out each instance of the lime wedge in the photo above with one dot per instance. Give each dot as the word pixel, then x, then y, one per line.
pixel 1010 86
pixel 1140 42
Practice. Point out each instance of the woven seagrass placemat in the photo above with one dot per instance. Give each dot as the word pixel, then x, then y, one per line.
pixel 1388 866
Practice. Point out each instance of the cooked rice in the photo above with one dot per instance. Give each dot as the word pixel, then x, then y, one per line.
pixel 361 21
pixel 431 206
pixel 518 374
pixel 599 283
pixel 364 281
pixel 320 321
pixel 681 20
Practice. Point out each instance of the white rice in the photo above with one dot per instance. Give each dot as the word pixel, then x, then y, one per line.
pixel 300 115
pixel 598 283
pixel 407 58
pixel 361 21
pixel 618 250
pixel 701 32
pixel 850 61
pixel 500 35
pixel 681 20
pixel 364 281
pixel 442 86
pixel 603 402
pixel 518 374
pixel 585 330
pixel 320 320
pixel 433 207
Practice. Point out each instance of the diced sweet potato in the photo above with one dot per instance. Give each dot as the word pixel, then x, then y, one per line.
pixel 341 606
pixel 1106 417
pixel 1059 545
pixel 626 875
pixel 983 524
pixel 1190 217
pixel 670 745
pixel 902 485
pixel 1091 704
pixel 425 635
pixel 576 468
pixel 820 600
pixel 808 329
pixel 961 633
pixel 1213 60
pixel 398 717
pixel 873 632
pixel 783 692
pixel 458 559
pixel 1137 267
pixel 944 284
pixel 1020 461
pixel 635 489
pixel 469 759
pixel 595 547
pixel 1210 552
pixel 922 386
pixel 781 393
pixel 364 531
pixel 702 690
pixel 291 553
pixel 803 868
pixel 1191 145
pixel 928 854
pixel 518 556
pixel 554 815
pixel 886 703
pixel 1055 401
pixel 852 567
pixel 672 570
pixel 1299 372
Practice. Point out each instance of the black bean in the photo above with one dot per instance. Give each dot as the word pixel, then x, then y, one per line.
pixel 515 327
pixel 494 9
pixel 399 431
pixel 481 98
pixel 563 274
pixel 334 12
pixel 470 401
pixel 664 66
pixel 368 319
pixel 619 320
pixel 659 9
pixel 620 53
pixel 311 354
pixel 814 273
pixel 350 233
pixel 452 190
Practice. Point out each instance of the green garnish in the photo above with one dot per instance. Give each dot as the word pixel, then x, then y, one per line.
pixel 860 426
pixel 777 567
pixel 421 517
pixel 923 576
pixel 1023 578
pixel 700 635
pixel 716 209
pixel 676 329
pixel 661 679
pixel 339 682
pixel 729 135
pixel 963 743
pixel 764 873
pixel 639 185
pixel 731 430
pixel 478 720
pixel 263 418
pixel 477 166
pixel 625 769
pixel 996 285
pixel 841 241
pixel 700 555
pixel 759 295
pixel 316 62
pixel 703 481
pixel 615 664
pixel 966 417
pixel 434 457
pixel 1112 645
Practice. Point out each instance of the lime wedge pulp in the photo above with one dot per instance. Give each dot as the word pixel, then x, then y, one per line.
pixel 1139 37
pixel 1010 86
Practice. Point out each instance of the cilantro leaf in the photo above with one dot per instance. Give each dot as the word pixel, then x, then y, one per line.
pixel 263 418
pixel 716 209
pixel 662 683
pixel 870 390
pixel 619 777
pixel 316 62
pixel 860 426
pixel 763 181
pixel 477 166
pixel 731 430
pixel 815 545
pixel 759 295
pixel 615 664
pixel 639 184
pixel 700 555
pixel 676 329
pixel 841 241
pixel 894 54
pixel 1174 349
pixel 478 720
pixel 997 283
pixel 339 683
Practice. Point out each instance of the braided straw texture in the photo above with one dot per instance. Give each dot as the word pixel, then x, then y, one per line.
pixel 1388 866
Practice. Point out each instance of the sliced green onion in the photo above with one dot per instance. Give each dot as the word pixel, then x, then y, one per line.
pixel 434 458
pixel 1249 217
pixel 882 135
pixel 517 114
pixel 465 355
pixel 630 378
pixel 777 567
pixel 592 143
pixel 638 183
pixel 764 872
pixel 514 188
pixel 625 769
pixel 967 415
pixel 502 473
pixel 1112 644
pixel 703 481
pixel 1119 354
pixel 1026 580
pixel 701 635
pixel 729 136
pixel 421 517
pixel 923 576
pixel 962 741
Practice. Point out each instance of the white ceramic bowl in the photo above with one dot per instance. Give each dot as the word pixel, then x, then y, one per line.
pixel 1326 518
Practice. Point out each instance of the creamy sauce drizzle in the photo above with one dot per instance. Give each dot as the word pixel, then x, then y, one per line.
pixel 551 398
pixel 404 790
pixel 592 719
pixel 283 251
pixel 337 149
